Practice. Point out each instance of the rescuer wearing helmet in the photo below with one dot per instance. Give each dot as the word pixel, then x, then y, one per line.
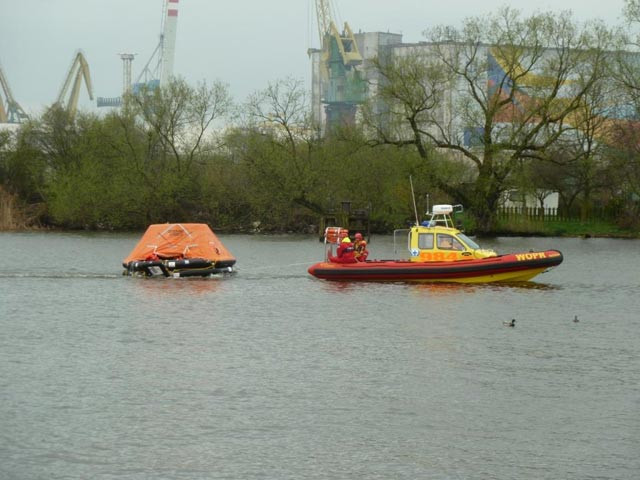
pixel 345 252
pixel 360 248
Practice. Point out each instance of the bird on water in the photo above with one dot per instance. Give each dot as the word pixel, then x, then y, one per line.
pixel 575 319
pixel 512 323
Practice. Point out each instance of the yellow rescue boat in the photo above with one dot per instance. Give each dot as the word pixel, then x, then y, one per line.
pixel 438 252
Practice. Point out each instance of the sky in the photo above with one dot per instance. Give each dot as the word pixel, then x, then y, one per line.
pixel 245 44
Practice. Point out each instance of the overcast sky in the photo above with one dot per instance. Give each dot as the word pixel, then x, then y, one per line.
pixel 244 43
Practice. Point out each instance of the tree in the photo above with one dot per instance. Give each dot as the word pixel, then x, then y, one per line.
pixel 179 117
pixel 494 92
pixel 166 135
pixel 139 165
pixel 584 149
pixel 281 142
pixel 625 136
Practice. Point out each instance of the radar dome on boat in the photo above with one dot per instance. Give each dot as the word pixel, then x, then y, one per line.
pixel 442 210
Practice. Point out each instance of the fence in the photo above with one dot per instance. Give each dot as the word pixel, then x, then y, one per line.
pixel 551 214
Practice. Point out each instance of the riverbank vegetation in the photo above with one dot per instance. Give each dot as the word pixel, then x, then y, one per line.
pixel 186 153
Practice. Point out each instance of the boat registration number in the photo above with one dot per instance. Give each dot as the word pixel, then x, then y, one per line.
pixel 438 256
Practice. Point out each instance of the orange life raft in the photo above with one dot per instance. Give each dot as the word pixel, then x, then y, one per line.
pixel 179 250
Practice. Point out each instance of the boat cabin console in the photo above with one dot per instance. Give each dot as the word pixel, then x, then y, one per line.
pixel 439 239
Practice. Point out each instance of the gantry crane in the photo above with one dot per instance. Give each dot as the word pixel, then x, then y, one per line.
pixel 79 70
pixel 342 84
pixel 159 69
pixel 13 112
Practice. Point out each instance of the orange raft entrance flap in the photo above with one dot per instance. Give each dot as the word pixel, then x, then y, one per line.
pixel 179 240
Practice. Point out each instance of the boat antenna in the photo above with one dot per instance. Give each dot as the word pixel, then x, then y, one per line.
pixel 413 196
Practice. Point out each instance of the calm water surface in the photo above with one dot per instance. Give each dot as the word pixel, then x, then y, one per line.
pixel 272 374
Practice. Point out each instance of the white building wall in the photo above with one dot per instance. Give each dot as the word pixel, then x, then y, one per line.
pixel 515 199
pixel 317 108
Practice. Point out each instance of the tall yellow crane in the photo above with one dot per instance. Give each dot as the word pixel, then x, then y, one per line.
pixel 346 43
pixel 13 112
pixel 343 87
pixel 78 71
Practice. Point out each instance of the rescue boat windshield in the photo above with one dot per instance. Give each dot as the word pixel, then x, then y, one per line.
pixel 468 241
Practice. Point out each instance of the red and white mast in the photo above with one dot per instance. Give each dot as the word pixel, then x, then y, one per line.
pixel 168 41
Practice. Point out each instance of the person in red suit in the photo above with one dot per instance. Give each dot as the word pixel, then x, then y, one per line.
pixel 360 248
pixel 345 252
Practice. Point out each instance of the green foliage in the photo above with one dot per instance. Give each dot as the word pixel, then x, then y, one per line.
pixel 22 169
pixel 546 76
pixel 592 228
pixel 159 160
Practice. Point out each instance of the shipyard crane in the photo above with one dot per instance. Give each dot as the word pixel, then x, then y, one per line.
pixel 159 69
pixel 78 71
pixel 342 84
pixel 12 112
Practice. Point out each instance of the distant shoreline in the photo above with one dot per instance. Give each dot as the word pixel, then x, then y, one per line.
pixel 244 231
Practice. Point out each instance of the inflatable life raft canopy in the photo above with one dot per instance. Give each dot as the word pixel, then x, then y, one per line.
pixel 178 241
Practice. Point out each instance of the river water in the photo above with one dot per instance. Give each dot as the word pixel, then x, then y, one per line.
pixel 272 374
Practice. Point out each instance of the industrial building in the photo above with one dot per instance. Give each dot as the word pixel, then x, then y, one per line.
pixel 339 88
pixel 340 92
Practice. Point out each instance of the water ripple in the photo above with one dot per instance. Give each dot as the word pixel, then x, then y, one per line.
pixel 271 373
